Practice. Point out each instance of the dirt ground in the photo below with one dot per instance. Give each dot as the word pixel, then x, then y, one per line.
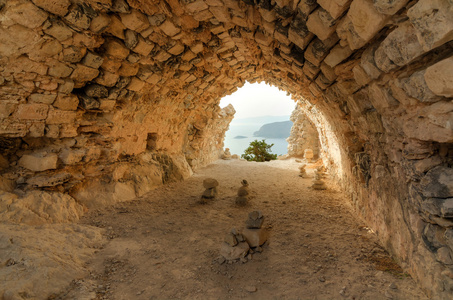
pixel 165 245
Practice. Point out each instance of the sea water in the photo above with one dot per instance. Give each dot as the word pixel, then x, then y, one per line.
pixel 238 146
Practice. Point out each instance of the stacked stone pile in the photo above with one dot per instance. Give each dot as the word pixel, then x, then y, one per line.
pixel 240 245
pixel 210 185
pixel 226 154
pixel 308 155
pixel 302 171
pixel 254 234
pixel 318 180
pixel 243 195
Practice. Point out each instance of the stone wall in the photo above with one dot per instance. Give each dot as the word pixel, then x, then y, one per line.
pixel 90 88
pixel 304 135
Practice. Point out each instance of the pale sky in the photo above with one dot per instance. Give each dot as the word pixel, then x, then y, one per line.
pixel 259 99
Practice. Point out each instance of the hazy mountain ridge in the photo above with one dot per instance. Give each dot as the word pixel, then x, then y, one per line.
pixel 275 130
pixel 259 120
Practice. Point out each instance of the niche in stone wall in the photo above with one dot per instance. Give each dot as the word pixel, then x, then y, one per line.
pixel 151 141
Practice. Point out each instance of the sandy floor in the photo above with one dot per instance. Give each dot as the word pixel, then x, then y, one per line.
pixel 165 245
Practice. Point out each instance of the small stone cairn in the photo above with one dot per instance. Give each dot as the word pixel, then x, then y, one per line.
pixel 210 184
pixel 308 154
pixel 239 246
pixel 302 172
pixel 226 154
pixel 254 234
pixel 318 182
pixel 243 194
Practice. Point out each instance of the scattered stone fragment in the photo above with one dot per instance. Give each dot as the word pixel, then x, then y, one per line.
pixel 251 289
pixel 231 240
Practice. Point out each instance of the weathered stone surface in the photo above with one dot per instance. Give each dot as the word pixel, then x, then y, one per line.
pixel 38 207
pixel 255 220
pixel 92 60
pixel 255 237
pixel 71 156
pixel 439 77
pixel 59 31
pixel 210 183
pixel 337 55
pixel 56 7
pixel 135 20
pixel 83 74
pixel 39 161
pixel 48 181
pixel 231 240
pixel 416 87
pixel 32 111
pixel 26 14
pixel 116 49
pixel 367 21
pixel 438 183
pixel 66 102
pixel 399 48
pixel 433 22
pixel 389 7
pixel 100 23
pixel 77 18
pixel 336 7
pixel 233 253
pixel 316 25
pixel 88 102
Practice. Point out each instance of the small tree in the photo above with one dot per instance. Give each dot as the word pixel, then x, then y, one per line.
pixel 259 151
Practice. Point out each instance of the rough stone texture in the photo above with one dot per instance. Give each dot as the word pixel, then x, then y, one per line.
pixel 255 237
pixel 433 22
pixel 67 249
pixel 303 135
pixel 164 67
pixel 38 207
pixel 39 161
pixel 439 78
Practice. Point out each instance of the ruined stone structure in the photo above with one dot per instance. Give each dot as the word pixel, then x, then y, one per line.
pixel 105 99
pixel 304 135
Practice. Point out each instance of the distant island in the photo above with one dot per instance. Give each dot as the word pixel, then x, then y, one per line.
pixel 276 130
pixel 240 137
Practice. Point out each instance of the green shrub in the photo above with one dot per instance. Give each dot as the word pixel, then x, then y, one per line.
pixel 259 151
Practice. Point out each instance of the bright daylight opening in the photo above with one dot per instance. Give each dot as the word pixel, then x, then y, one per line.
pixel 262 112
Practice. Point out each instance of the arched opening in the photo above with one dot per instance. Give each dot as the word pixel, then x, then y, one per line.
pixel 103 101
pixel 262 112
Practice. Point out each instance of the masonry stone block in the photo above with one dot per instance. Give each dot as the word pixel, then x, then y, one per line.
pixel 335 7
pixel 317 25
pixel 399 48
pixel 367 21
pixel 439 77
pixel 26 14
pixel 135 20
pixel 56 7
pixel 38 162
pixel 433 22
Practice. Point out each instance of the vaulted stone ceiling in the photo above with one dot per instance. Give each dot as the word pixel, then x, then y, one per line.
pixel 97 95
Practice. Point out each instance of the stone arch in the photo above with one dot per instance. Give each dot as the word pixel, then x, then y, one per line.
pixel 84 83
